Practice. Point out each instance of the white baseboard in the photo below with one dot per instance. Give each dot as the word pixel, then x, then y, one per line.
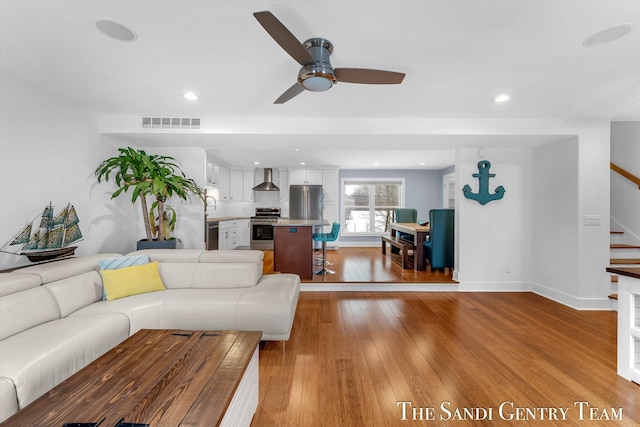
pixel 601 304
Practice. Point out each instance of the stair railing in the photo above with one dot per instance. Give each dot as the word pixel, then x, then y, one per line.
pixel 631 177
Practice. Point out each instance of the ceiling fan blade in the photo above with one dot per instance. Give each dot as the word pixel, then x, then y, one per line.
pixel 283 37
pixel 367 76
pixel 294 90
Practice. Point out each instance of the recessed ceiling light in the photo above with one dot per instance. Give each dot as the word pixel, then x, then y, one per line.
pixel 115 30
pixel 501 98
pixel 422 163
pixel 607 35
pixel 256 163
pixel 296 149
pixel 191 96
pixel 303 163
pixel 376 164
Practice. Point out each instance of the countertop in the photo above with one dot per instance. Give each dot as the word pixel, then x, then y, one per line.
pixel 225 218
pixel 631 272
pixel 301 222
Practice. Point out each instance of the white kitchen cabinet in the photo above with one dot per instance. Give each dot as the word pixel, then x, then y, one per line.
pixel 331 185
pixel 228 235
pixel 244 233
pixel 235 185
pixel 247 185
pixel 213 173
pixel 224 183
pixel 305 177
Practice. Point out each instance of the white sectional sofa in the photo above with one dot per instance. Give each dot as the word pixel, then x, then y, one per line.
pixel 54 321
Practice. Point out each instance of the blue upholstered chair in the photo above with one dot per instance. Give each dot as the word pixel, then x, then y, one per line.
pixel 438 248
pixel 324 238
pixel 405 215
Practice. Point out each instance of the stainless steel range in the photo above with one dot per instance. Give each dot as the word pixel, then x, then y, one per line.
pixel 262 227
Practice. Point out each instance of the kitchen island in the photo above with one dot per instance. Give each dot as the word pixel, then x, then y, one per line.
pixel 293 246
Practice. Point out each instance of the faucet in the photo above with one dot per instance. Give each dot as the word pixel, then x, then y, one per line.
pixel 206 205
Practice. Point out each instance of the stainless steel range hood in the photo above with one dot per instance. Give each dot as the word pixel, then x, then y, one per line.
pixel 268 184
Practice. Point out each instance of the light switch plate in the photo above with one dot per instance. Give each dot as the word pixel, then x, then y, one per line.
pixel 592 220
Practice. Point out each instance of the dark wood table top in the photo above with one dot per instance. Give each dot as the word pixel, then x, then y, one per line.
pixel 159 377
pixel 631 272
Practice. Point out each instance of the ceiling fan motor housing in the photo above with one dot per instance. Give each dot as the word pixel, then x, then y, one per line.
pixel 318 76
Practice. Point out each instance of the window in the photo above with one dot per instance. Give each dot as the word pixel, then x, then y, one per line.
pixel 368 204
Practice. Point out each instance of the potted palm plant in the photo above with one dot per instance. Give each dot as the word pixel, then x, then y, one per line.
pixel 159 177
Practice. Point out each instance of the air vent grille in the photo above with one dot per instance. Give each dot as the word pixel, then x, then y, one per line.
pixel 171 123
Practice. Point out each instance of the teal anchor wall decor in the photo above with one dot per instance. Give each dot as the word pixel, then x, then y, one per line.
pixel 483 196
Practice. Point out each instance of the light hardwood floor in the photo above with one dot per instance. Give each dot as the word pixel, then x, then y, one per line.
pixel 367 264
pixel 353 355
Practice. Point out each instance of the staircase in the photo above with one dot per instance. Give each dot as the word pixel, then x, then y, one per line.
pixel 622 255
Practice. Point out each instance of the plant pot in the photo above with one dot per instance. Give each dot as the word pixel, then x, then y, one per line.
pixel 155 244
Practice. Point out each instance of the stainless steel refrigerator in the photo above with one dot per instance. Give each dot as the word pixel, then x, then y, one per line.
pixel 305 201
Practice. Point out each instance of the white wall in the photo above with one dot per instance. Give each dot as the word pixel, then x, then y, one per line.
pixel 49 150
pixel 625 196
pixel 495 237
pixel 555 231
pixel 570 257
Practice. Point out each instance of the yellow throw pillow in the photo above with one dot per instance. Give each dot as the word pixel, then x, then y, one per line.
pixel 127 281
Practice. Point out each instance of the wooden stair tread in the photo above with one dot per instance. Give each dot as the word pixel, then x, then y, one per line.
pixel 618 261
pixel 613 296
pixel 614 278
pixel 623 246
pixel 616 232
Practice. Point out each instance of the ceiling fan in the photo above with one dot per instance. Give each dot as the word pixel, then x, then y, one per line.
pixel 316 73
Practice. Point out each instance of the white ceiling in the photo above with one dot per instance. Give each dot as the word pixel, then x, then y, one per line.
pixel 457 55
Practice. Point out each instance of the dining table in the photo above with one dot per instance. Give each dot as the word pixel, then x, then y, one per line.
pixel 419 233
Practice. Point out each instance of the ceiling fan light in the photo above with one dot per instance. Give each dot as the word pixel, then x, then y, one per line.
pixel 317 83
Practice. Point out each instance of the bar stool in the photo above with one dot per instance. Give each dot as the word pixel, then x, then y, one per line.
pixel 324 238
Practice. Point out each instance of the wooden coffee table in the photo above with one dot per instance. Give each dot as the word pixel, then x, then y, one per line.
pixel 161 378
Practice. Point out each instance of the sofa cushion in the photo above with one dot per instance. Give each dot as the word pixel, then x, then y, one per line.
pixel 123 261
pixel 143 310
pixel 270 306
pixel 8 399
pixel 11 283
pixel 42 357
pixel 254 257
pixel 26 309
pixel 208 309
pixel 52 271
pixel 210 275
pixel 170 255
pixel 76 292
pixel 124 282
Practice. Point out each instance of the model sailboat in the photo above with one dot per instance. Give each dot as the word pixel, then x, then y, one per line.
pixel 52 238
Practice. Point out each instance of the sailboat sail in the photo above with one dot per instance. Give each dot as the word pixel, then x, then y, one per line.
pixel 32 244
pixel 52 238
pixel 61 218
pixel 22 237
pixel 71 217
pixel 47 217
